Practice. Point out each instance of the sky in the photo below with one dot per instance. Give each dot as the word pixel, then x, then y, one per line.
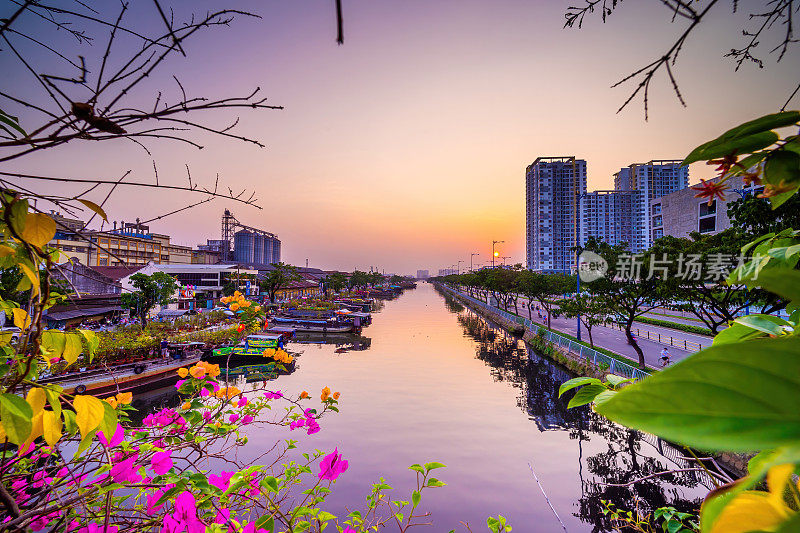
pixel 405 148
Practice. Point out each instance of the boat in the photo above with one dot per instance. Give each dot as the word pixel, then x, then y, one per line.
pixel 315 326
pixel 127 377
pixel 357 318
pixel 252 372
pixel 250 350
pixel 286 332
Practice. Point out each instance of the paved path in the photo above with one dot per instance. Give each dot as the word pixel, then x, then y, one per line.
pixel 616 341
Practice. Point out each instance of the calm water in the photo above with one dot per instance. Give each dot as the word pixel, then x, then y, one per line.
pixel 438 383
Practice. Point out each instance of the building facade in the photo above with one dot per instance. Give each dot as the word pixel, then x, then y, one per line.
pixel 553 186
pixel 607 216
pixel 422 274
pixel 680 213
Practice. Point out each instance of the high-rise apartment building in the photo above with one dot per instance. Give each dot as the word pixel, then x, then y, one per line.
pixel 607 216
pixel 650 180
pixel 553 186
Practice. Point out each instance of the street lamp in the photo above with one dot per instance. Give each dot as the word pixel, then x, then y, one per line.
pixel 504 259
pixel 578 251
pixel 495 254
pixel 470 259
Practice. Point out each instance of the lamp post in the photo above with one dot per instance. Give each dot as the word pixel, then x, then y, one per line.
pixel 495 254
pixel 470 259
pixel 578 251
pixel 504 259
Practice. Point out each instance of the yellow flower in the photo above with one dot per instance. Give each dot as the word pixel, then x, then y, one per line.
pixel 269 352
pixel 197 372
pixel 183 372
pixel 326 392
pixel 217 424
pixel 234 307
pixel 247 303
pixel 112 401
pixel 124 397
pixel 257 308
pixel 186 406
pixel 228 392
pixel 212 370
pixel 335 395
pixel 304 394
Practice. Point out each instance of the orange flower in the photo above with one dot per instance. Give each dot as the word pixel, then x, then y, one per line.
pixel 227 392
pixel 335 395
pixel 304 394
pixel 183 372
pixel 112 401
pixel 186 406
pixel 234 307
pixel 124 397
pixel 197 372
pixel 326 392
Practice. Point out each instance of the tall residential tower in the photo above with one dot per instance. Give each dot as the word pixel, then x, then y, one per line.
pixel 552 188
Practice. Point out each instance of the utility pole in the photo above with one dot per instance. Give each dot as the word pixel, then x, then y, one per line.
pixel 504 259
pixel 495 254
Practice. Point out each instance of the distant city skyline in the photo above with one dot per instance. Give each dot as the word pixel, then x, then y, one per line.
pixel 406 147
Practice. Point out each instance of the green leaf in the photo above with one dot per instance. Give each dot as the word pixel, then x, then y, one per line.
pixel 586 395
pixel 17 215
pixel 433 466
pixel 417 468
pixel 577 382
pixel 765 123
pixel 784 282
pixel 70 422
pixel 433 482
pixel 416 496
pixel 733 397
pixel 16 415
pixel 12 122
pixel 52 342
pixel 782 166
pixel 616 380
pixel 737 145
pixel 108 425
pixel 736 333
pixel 771 325
pixel 265 522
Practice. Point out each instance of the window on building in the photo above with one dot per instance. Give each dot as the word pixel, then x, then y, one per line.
pixel 102 262
pixel 657 221
pixel 707 224
pixel 114 242
pixel 656 209
pixel 706 209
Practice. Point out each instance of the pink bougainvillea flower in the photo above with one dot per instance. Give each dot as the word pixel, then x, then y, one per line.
pixel 242 402
pixel 98 528
pixel 184 515
pixel 349 530
pixel 161 462
pixel 247 419
pixel 221 481
pixel 116 439
pixel 207 415
pixel 126 471
pixel 300 422
pixel 152 508
pixel 223 516
pixel 273 395
pixel 233 418
pixel 179 383
pixel 332 465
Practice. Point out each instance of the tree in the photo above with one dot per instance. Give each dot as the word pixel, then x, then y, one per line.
pixel 630 289
pixel 592 310
pixel 395 279
pixel 752 216
pixel 156 289
pixel 336 281
pixel 358 279
pixel 544 288
pixel 279 278
pixel 376 278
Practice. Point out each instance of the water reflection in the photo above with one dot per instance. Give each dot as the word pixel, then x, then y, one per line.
pixel 628 454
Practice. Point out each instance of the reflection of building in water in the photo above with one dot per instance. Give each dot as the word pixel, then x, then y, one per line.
pixel 624 455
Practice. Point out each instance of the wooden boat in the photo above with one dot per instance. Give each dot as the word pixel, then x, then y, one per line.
pixel 150 374
pixel 286 332
pixel 314 326
pixel 250 350
pixel 357 318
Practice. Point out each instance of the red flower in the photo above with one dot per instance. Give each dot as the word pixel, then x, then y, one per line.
pixel 240 328
pixel 726 163
pixel 710 190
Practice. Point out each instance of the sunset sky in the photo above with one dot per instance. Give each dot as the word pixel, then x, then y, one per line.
pixel 406 147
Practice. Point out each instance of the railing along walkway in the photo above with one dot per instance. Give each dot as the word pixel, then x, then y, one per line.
pixel 584 352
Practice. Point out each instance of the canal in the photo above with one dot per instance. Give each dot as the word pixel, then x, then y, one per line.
pixel 436 382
